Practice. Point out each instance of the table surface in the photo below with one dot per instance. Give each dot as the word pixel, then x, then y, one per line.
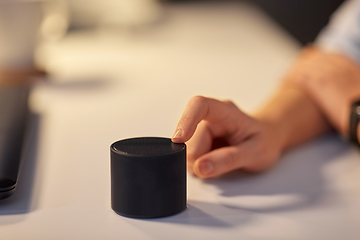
pixel 112 84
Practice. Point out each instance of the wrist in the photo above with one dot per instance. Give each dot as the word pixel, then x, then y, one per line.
pixel 294 117
pixel 278 134
pixel 331 80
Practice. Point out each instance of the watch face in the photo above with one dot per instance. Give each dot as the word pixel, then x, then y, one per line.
pixel 355 108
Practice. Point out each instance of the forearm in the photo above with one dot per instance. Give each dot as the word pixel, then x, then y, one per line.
pixel 294 117
pixel 332 82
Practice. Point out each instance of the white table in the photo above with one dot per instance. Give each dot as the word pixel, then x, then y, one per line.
pixel 112 85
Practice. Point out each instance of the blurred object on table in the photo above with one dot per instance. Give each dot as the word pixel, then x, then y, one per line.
pixel 14 113
pixel 19 28
pixel 63 16
pixel 124 13
pixel 20 23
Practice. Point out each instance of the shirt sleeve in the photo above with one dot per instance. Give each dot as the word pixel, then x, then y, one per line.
pixel 342 34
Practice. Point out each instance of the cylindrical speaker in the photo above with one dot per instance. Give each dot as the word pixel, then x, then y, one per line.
pixel 148 177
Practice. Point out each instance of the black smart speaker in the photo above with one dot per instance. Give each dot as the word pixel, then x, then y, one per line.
pixel 148 177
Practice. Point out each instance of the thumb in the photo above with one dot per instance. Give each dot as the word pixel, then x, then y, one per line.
pixel 219 161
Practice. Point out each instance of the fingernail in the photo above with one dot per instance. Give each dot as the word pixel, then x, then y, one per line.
pixel 206 168
pixel 177 134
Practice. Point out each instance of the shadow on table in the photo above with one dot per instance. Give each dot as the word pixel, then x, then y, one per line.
pixel 22 201
pixel 205 214
pixel 299 173
pixel 197 214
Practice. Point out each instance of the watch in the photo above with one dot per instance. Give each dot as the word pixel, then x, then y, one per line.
pixel 354 122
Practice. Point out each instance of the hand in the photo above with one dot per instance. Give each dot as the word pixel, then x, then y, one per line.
pixel 332 80
pixel 223 138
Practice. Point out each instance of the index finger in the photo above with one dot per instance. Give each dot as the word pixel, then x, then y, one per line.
pixel 199 108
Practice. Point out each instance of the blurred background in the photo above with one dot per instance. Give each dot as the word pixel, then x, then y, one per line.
pixel 21 29
pixel 302 18
pixel 126 68
pixel 138 42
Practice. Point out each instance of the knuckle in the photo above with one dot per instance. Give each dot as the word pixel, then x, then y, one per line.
pixel 232 107
pixel 198 100
pixel 229 103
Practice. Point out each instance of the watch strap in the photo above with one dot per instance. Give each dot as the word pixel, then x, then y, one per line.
pixel 354 122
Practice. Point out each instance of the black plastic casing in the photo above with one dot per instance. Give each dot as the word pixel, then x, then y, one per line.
pixel 148 177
